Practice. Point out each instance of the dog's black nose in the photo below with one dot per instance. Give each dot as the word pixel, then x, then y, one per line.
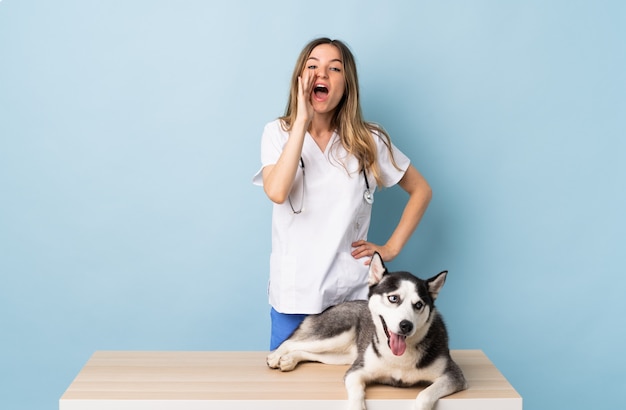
pixel 406 326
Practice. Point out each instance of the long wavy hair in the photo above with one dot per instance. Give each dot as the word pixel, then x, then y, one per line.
pixel 355 134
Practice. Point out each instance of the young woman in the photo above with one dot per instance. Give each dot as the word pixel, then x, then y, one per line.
pixel 321 163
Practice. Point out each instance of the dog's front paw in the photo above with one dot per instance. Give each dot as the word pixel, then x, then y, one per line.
pixel 422 404
pixel 287 363
pixel 356 405
pixel 272 360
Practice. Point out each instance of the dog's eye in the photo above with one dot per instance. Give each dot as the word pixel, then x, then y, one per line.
pixel 393 298
pixel 419 305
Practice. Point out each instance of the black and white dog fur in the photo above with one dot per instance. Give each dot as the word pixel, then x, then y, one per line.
pixel 396 337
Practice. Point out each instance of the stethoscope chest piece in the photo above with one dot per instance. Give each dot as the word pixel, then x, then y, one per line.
pixel 368 196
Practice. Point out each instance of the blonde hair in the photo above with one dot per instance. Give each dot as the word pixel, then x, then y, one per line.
pixel 355 134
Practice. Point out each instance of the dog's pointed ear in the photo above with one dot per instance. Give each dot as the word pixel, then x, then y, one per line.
pixel 436 283
pixel 377 270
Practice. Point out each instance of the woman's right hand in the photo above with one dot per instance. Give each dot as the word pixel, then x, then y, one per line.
pixel 278 178
pixel 305 87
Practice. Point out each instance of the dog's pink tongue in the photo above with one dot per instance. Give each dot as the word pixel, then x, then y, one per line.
pixel 397 344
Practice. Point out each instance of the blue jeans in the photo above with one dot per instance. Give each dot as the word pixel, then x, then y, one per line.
pixel 283 325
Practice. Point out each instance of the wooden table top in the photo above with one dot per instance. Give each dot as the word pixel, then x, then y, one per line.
pixel 210 377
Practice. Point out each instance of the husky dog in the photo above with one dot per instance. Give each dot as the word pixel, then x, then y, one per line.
pixel 396 337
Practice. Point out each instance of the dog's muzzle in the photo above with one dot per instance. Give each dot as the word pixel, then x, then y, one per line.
pixel 397 342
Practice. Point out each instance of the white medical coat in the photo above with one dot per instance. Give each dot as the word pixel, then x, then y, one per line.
pixel 311 267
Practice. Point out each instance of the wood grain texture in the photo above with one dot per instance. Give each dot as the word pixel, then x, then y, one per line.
pixel 196 380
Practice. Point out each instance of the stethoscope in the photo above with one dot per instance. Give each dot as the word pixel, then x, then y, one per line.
pixel 368 195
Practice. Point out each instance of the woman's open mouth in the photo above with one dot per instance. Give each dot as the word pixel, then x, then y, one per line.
pixel 320 92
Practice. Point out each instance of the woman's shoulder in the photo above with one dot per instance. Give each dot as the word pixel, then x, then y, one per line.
pixel 275 131
pixel 276 125
pixel 274 135
pixel 388 153
pixel 379 135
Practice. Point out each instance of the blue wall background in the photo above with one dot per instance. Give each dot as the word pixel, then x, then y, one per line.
pixel 130 130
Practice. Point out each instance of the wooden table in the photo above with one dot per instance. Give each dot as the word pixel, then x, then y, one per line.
pixel 241 380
